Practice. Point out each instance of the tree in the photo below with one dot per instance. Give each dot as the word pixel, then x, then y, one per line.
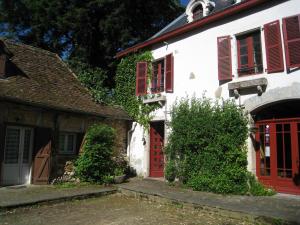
pixel 91 30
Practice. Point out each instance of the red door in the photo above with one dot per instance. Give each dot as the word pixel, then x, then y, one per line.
pixel 277 159
pixel 156 147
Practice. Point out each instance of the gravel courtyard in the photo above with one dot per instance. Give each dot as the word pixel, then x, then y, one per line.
pixel 114 209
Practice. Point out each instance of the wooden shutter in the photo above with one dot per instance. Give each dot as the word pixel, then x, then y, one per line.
pixel 291 31
pixel 273 47
pixel 224 58
pixel 169 73
pixel 141 78
pixel 42 153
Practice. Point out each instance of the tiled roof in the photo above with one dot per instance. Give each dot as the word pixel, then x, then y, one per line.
pixel 182 19
pixel 40 78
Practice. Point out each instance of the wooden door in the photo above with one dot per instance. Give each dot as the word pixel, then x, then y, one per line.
pixel 42 156
pixel 156 149
pixel 278 156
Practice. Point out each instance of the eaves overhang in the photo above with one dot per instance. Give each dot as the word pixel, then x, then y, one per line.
pixel 238 8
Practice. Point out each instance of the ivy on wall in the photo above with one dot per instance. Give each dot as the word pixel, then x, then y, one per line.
pixel 126 85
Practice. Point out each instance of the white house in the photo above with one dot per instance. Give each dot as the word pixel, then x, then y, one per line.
pixel 245 50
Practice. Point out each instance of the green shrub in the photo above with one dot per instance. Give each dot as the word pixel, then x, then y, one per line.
pixel 170 171
pixel 126 84
pixel 96 163
pixel 207 146
pixel 257 189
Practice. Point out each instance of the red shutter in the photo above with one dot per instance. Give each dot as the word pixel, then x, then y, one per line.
pixel 141 78
pixel 169 73
pixel 158 78
pixel 273 47
pixel 224 58
pixel 291 31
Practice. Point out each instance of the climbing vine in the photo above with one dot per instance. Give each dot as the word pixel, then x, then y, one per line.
pixel 125 88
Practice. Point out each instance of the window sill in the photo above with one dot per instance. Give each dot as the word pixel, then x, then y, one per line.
pixel 253 86
pixel 250 74
pixel 160 99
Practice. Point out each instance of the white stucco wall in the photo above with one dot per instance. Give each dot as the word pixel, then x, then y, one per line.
pixel 196 54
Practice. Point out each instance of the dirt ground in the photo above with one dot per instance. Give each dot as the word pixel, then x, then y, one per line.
pixel 113 210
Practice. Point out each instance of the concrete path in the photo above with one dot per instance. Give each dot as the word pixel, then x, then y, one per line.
pixel 19 196
pixel 282 207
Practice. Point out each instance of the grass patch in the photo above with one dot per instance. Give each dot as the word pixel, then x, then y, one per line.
pixel 65 185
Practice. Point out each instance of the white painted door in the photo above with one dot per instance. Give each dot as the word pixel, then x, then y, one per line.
pixel 17 156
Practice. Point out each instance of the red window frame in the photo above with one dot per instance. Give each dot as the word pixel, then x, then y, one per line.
pixel 249 68
pixel 157 86
pixel 163 75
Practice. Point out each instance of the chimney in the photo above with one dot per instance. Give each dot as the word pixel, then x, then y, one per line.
pixel 3 63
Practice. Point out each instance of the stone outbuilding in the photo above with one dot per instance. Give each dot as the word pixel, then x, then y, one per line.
pixel 44 114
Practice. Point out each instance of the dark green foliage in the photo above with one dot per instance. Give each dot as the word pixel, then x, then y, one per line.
pixel 96 163
pixel 91 30
pixel 125 88
pixel 207 144
pixel 92 78
pixel 170 171
pixel 257 188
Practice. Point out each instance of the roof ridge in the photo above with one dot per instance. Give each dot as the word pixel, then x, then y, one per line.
pixel 168 26
pixel 34 48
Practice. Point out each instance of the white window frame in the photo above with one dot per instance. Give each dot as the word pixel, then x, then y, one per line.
pixel 66 135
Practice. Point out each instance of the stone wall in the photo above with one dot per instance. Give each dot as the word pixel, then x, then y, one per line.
pixel 21 115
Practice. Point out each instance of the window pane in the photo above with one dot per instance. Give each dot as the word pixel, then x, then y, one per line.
pixel 243 42
pixel 244 50
pixel 284 157
pixel 244 60
pixel 158 85
pixel 12 143
pixel 62 142
pixel 265 154
pixel 250 61
pixel 70 143
pixel 279 141
pixel 27 139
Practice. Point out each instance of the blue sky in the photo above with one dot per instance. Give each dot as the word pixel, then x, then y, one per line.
pixel 184 2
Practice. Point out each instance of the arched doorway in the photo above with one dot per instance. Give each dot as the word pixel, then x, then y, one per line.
pixel 278 145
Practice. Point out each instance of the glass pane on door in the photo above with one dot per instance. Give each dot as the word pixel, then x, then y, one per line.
pixel 27 140
pixel 265 152
pixel 284 150
pixel 12 142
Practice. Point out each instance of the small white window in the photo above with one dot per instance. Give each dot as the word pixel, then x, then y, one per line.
pixel 67 143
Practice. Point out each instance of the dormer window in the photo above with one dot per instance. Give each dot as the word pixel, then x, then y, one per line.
pixel 196 9
pixel 197 12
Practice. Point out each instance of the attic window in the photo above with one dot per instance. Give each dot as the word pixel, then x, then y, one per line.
pixel 197 9
pixel 197 12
